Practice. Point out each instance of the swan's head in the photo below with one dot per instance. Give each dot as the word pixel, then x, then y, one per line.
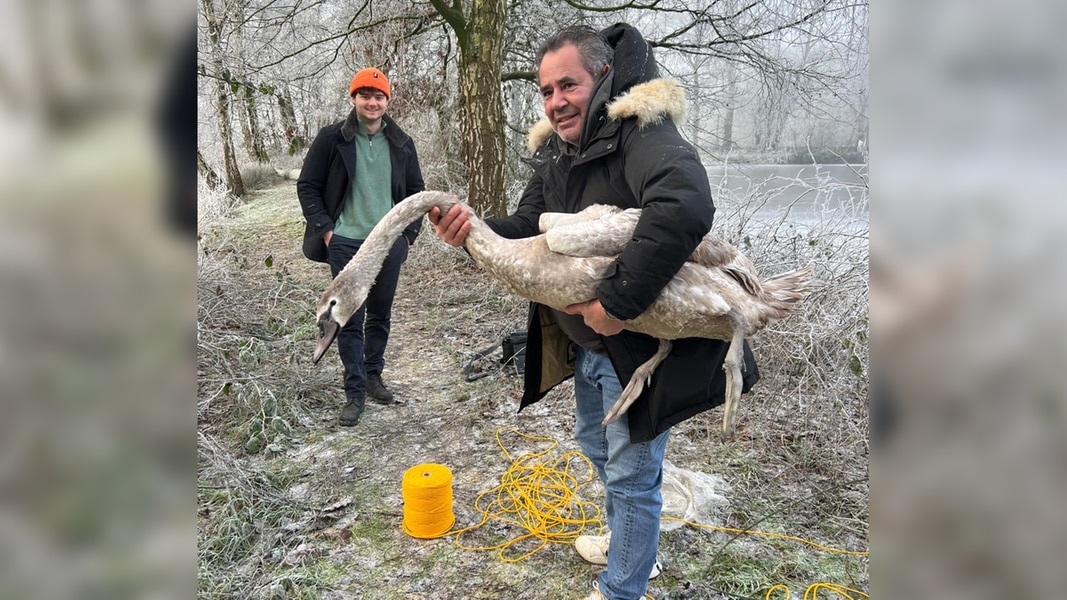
pixel 352 285
pixel 329 327
pixel 335 309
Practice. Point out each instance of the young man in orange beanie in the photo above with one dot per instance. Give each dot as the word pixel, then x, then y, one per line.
pixel 354 172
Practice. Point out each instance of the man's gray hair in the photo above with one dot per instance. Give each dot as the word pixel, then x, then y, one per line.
pixel 594 50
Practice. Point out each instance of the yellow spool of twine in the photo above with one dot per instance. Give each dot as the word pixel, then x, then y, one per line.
pixel 427 490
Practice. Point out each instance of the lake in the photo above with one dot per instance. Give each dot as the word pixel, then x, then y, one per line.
pixel 802 194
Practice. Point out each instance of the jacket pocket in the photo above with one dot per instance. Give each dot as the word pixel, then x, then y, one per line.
pixel 556 362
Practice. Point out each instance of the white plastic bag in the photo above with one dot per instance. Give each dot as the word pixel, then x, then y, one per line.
pixel 690 495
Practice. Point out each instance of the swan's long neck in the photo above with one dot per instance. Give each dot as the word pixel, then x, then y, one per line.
pixel 357 277
pixel 482 242
pixel 375 249
pixel 362 270
pixel 499 256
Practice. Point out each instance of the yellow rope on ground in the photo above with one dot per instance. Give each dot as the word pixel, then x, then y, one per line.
pixel 540 496
pixel 771 535
pixel 813 590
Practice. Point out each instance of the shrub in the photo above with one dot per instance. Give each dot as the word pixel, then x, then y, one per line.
pixel 258 176
pixel 825 156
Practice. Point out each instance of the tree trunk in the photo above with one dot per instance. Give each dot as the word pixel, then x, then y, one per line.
pixel 205 170
pixel 246 126
pixel 859 128
pixel 250 125
pixel 258 148
pixel 292 128
pixel 482 114
pixel 772 114
pixel 448 139
pixel 731 103
pixel 222 100
pixel 233 173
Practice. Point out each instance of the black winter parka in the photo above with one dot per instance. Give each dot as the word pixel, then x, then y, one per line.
pixel 631 155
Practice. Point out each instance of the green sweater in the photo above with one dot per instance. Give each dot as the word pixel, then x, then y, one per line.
pixel 370 197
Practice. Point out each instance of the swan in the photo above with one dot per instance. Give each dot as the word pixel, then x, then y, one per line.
pixel 716 296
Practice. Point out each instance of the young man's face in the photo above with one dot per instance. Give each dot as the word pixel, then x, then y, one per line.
pixel 565 88
pixel 370 104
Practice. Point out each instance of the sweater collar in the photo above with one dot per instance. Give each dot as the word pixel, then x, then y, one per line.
pixel 393 133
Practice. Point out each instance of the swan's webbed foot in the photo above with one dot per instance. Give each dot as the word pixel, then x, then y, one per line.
pixel 642 376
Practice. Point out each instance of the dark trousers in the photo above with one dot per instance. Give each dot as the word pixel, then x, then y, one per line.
pixel 361 342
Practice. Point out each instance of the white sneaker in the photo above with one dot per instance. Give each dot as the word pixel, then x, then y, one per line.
pixel 594 549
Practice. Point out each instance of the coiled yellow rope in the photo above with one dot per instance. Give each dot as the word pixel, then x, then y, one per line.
pixel 539 495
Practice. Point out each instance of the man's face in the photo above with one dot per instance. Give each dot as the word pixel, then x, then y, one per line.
pixel 370 104
pixel 565 88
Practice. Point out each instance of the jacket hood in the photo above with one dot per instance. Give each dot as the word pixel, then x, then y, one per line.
pixel 648 102
pixel 634 62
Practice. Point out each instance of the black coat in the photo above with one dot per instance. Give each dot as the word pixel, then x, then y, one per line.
pixel 325 179
pixel 631 157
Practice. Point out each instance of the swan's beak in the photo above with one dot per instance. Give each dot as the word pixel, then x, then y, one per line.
pixel 328 329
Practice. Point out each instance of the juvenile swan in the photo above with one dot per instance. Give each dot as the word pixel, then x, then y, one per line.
pixel 719 297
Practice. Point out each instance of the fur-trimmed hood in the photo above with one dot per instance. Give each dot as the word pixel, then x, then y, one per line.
pixel 648 102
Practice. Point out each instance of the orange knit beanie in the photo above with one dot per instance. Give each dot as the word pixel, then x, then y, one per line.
pixel 370 78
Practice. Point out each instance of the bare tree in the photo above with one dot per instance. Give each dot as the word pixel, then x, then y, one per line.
pixel 253 134
pixel 222 99
pixel 480 34
pixel 295 135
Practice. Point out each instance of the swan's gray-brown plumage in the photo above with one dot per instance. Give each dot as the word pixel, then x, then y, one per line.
pixel 701 301
pixel 603 230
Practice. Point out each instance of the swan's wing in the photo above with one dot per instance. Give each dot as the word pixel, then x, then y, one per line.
pixel 744 272
pixel 602 236
pixel 602 230
pixel 692 304
pixel 714 251
pixel 550 220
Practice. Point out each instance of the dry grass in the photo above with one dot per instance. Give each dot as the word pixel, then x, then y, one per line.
pixel 293 506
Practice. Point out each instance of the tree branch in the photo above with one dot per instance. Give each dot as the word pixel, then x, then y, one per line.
pixel 453 15
pixel 519 76
pixel 585 7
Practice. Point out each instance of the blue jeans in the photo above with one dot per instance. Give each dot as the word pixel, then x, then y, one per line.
pixel 361 342
pixel 632 475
